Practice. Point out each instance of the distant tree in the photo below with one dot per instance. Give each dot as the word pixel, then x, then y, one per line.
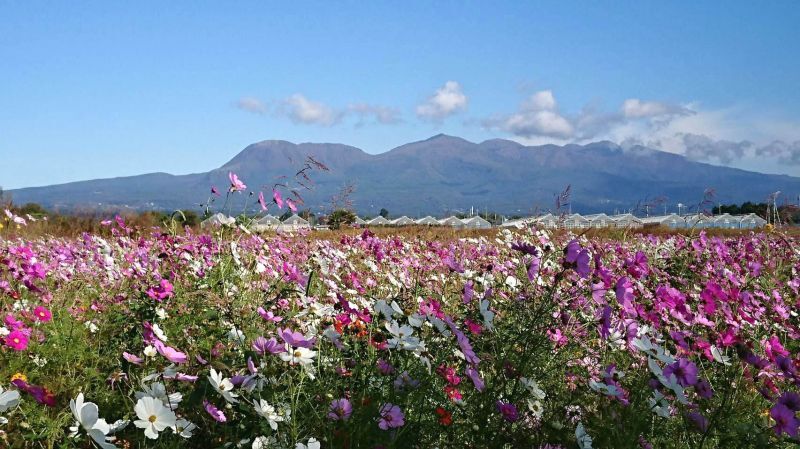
pixel 384 213
pixel 5 198
pixel 33 209
pixel 285 215
pixel 189 218
pixel 341 217
pixel 306 214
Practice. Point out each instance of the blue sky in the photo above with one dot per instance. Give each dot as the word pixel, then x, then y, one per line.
pixel 102 89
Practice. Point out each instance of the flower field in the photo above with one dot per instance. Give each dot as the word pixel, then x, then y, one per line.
pixel 136 338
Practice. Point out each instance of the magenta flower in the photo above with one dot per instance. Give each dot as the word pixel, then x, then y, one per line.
pixel 791 400
pixel 291 205
pixel 475 377
pixel 700 421
pixel 684 370
pixel 132 358
pixel 42 314
pixel 391 417
pixel 170 353
pixel 278 199
pixel 214 191
pixel 785 420
pixel 236 184
pixel 214 412
pixel 162 291
pixel 268 315
pixel 261 201
pixel 295 339
pixel 579 258
pixel 17 340
pixel 508 410
pixel 340 409
pixel 385 367
pixel 262 346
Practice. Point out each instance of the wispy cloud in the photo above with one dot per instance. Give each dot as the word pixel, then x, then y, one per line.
pixel 367 113
pixel 252 104
pixel 724 136
pixel 300 109
pixel 446 101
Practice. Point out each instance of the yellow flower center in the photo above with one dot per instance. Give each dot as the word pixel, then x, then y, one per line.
pixel 298 354
pixel 152 418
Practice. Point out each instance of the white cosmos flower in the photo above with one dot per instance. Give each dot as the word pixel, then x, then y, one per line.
pixel 159 332
pixel 8 399
pixel 183 428
pixel 86 417
pixel 302 356
pixel 153 416
pixel 533 388
pixel 150 351
pixel 488 315
pixel 223 385
pixel 268 412
pixel 401 336
pixel 312 444
pixel 263 442
pixel 159 391
pixel 584 440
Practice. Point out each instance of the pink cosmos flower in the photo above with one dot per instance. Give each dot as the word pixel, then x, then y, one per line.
pixel 278 199
pixel 295 339
pixel 214 412
pixel 508 410
pixel 17 340
pixel 291 205
pixel 170 353
pixel 262 346
pixel 340 409
pixel 131 358
pixel 236 184
pixel 261 201
pixel 42 314
pixel 391 417
pixel 269 316
pixel 214 191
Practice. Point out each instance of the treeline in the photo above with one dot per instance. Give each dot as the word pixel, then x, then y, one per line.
pixel 789 213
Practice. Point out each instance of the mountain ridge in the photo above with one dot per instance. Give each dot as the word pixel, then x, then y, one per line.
pixel 438 175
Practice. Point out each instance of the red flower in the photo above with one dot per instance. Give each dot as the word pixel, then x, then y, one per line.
pixel 445 417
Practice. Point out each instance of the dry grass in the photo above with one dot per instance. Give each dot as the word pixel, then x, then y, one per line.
pixel 73 226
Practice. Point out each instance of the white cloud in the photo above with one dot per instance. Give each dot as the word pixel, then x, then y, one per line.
pixel 730 136
pixel 537 116
pixel 252 104
pixel 302 110
pixel 448 100
pixel 635 108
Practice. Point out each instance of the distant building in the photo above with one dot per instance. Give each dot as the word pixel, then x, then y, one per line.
pixel 476 223
pixel 218 219
pixel 627 221
pixel 379 221
pixel 359 221
pixel 576 221
pixel 672 221
pixel 599 221
pixel 266 223
pixel 751 221
pixel 402 221
pixel 294 223
pixel 428 221
pixel 452 221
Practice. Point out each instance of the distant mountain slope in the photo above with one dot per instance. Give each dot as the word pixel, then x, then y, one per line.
pixel 439 175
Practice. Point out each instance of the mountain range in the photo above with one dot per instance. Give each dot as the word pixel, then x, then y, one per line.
pixel 439 175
